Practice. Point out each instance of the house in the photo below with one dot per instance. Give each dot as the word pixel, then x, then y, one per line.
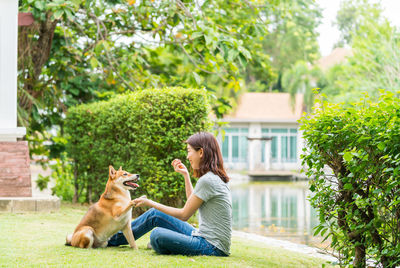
pixel 263 136
pixel 337 56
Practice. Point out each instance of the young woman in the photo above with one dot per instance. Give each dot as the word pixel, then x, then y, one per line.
pixel 211 196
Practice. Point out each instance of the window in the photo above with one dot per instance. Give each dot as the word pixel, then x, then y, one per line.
pixel 235 148
pixel 225 148
pixel 283 144
pixel 234 145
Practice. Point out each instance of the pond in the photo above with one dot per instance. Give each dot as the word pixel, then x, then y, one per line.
pixel 276 209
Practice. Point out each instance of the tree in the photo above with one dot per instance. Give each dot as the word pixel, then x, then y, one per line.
pixel 352 15
pixel 81 51
pixel 302 78
pixel 292 37
pixel 129 45
pixel 374 61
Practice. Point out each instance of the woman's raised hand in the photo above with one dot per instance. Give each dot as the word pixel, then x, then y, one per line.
pixel 179 167
pixel 141 201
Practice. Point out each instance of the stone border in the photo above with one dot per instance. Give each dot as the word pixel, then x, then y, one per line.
pixel 29 204
pixel 287 245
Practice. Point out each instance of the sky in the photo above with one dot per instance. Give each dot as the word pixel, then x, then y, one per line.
pixel 329 34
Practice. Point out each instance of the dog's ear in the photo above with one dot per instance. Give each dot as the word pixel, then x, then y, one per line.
pixel 120 168
pixel 112 171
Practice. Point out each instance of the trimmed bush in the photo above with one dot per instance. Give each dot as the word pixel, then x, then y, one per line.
pixel 142 132
pixel 359 199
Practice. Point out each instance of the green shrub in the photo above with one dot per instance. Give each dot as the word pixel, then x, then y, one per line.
pixel 63 177
pixel 142 132
pixel 359 198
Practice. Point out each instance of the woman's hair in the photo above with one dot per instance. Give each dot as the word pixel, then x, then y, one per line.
pixel 212 158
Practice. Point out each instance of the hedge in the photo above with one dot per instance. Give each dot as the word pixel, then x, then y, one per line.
pixel 142 132
pixel 358 196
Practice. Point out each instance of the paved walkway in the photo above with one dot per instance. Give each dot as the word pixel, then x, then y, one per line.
pixel 287 245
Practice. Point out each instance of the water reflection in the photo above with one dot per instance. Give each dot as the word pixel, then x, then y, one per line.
pixel 279 210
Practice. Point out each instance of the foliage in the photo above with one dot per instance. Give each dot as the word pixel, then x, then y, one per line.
pixel 292 37
pixel 36 144
pixel 142 132
pixel 42 182
pixel 80 51
pixel 374 64
pixel 353 158
pixel 351 17
pixel 301 78
pixel 64 177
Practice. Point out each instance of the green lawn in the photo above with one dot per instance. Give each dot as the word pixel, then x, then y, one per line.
pixel 37 240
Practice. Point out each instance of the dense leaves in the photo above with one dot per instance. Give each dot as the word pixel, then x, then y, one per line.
pixel 353 158
pixel 79 50
pixel 142 132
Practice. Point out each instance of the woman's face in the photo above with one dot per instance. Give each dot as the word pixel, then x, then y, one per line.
pixel 194 156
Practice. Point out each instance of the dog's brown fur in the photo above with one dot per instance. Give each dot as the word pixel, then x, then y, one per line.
pixel 112 213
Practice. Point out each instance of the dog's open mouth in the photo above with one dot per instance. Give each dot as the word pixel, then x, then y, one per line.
pixel 131 184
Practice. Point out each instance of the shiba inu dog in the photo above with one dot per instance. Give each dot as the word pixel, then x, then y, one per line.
pixel 112 213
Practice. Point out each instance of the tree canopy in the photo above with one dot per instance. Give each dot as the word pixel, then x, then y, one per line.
pixel 80 51
pixel 375 48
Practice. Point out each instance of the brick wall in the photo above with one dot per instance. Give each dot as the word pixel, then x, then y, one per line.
pixel 15 174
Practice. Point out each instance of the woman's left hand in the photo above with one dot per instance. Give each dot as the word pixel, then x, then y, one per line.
pixel 142 201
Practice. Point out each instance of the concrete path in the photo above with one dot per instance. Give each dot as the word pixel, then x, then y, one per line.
pixel 287 245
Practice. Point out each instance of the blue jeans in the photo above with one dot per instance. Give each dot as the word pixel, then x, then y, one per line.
pixel 172 236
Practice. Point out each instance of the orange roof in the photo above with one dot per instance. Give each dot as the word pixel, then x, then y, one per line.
pixel 338 55
pixel 267 107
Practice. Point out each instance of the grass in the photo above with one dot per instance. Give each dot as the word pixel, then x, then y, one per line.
pixel 37 240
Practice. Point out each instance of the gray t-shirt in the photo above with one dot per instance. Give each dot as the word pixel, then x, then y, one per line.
pixel 215 221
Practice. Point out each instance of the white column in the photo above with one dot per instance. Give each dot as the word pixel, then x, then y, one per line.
pixel 251 149
pixel 254 146
pixel 8 71
pixel 267 154
pixel 279 151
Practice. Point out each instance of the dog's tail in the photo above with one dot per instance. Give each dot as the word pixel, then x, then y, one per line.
pixel 83 238
pixel 68 239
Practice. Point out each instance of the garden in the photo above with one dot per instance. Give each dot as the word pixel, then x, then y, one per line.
pixel 125 83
